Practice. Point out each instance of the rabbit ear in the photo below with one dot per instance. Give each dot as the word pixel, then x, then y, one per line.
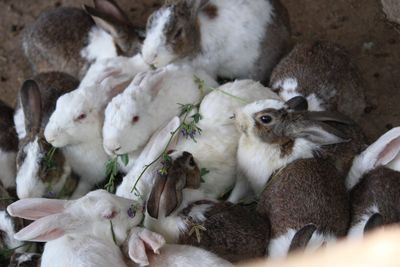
pixel 298 103
pixel 318 133
pixel 36 208
pixel 196 6
pixel 302 237
pixel 137 246
pixel 153 203
pixel 45 229
pixel 112 9
pixel 153 83
pixel 32 106
pixel 159 141
pixel 391 150
pixel 328 116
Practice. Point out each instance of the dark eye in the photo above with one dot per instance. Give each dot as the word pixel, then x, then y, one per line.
pixel 131 212
pixel 178 33
pixel 135 119
pixel 266 119
pixel 81 117
pixel 191 162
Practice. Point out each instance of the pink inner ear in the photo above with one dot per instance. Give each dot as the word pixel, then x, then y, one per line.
pixel 51 235
pixel 137 251
pixel 389 153
pixel 119 88
pixel 36 208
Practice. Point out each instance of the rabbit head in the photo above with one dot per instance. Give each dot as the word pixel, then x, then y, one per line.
pixel 181 172
pixel 111 18
pixel 90 214
pixel 277 122
pixel 39 168
pixel 133 116
pixel 173 32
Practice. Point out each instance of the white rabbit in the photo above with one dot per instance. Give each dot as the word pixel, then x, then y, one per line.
pixel 228 38
pixel 215 148
pixel 150 101
pixel 76 123
pixel 88 232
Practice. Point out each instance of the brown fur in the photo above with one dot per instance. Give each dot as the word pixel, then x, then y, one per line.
pixel 233 232
pixel 320 68
pixel 307 191
pixel 51 86
pixel 276 43
pixel 285 125
pixel 211 11
pixel 379 187
pixel 54 41
pixel 33 262
pixel 8 135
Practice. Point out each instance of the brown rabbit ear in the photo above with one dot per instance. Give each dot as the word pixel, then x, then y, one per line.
pixel 32 106
pixel 328 116
pixel 153 203
pixel 171 196
pixel 318 133
pixel 111 8
pixel 108 23
pixel 302 237
pixel 297 103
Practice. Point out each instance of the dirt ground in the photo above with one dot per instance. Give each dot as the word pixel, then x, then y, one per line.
pixel 359 25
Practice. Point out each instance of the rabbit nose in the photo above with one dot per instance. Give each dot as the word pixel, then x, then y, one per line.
pixel 117 149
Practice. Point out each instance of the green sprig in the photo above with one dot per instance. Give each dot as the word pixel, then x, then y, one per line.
pixel 112 171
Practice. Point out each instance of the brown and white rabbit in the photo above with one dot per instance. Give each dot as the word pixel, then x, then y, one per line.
pixel 39 172
pixel 374 184
pixel 68 39
pixel 323 73
pixel 8 146
pixel 305 192
pixel 275 133
pixel 175 206
pixel 227 38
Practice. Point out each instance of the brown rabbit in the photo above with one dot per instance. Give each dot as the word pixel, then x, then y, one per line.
pixel 41 170
pixel 306 191
pixel 374 181
pixel 8 146
pixel 324 74
pixel 275 133
pixel 233 232
pixel 69 39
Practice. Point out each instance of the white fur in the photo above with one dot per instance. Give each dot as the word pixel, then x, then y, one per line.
pixel 368 159
pixel 239 25
pixel 171 85
pixel 81 140
pixel 7 167
pixel 289 90
pixel 279 247
pixel 258 160
pixel 8 227
pixel 19 121
pixel 26 257
pixel 27 172
pixel 88 241
pixel 357 230
pixel 101 45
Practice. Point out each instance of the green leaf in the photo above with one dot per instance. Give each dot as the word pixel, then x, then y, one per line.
pixel 113 233
pixel 125 159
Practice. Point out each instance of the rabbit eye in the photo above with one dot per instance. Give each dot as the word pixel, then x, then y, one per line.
pixel 192 163
pixel 178 33
pixel 135 119
pixel 131 212
pixel 81 117
pixel 266 119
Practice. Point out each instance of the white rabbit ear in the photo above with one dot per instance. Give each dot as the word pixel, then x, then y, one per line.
pixel 45 229
pixel 36 208
pixel 153 82
pixel 391 148
pixel 152 240
pixel 137 245
pixel 159 140
pixel 137 251
pixel 384 151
